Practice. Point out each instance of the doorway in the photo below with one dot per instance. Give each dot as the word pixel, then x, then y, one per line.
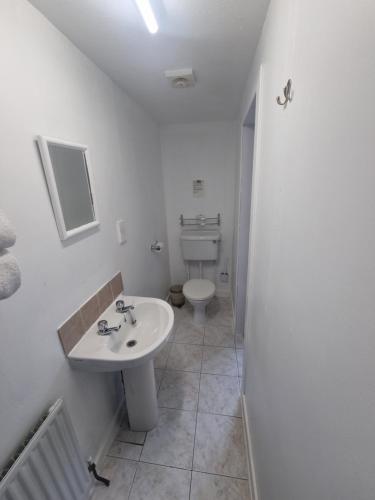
pixel 246 225
pixel 244 215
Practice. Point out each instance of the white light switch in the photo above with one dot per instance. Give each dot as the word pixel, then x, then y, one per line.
pixel 121 231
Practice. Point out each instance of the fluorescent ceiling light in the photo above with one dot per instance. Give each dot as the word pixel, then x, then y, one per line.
pixel 148 15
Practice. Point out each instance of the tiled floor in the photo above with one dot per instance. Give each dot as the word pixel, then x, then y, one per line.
pixel 197 450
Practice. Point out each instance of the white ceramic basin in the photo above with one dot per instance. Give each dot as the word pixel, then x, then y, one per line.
pixel 132 350
pixel 112 353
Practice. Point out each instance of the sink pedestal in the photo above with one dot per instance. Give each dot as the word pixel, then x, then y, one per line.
pixel 141 397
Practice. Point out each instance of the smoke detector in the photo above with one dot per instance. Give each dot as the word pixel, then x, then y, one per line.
pixel 180 78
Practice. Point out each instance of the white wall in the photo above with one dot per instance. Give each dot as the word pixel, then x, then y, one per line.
pixel 48 87
pixel 310 344
pixel 199 151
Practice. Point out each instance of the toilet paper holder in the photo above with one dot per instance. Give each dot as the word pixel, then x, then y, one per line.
pixel 157 246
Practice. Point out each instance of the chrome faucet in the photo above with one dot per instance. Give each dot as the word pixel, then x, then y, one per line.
pixel 103 328
pixel 123 309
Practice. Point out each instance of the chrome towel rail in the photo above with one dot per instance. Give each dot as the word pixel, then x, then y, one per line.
pixel 200 220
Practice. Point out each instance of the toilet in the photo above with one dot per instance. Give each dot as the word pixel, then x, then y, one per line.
pixel 199 246
pixel 199 293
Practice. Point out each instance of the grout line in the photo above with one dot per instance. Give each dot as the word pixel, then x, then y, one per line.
pixel 219 347
pixel 178 409
pixel 125 458
pixel 184 469
pixel 184 343
pixel 220 475
pixel 195 431
pixel 219 414
pixel 202 372
pixel 163 465
pixel 191 480
pixel 163 370
pixel 222 374
pixel 169 353
pixel 166 466
pixel 178 370
pixel 169 346
pixel 204 334
pixel 131 486
pixel 184 371
pixel 175 467
pixel 125 442
pixel 194 411
pixel 121 458
pixel 129 442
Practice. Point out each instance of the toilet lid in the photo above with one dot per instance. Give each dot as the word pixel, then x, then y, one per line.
pixel 199 289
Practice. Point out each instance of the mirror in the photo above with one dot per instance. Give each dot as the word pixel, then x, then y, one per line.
pixel 70 184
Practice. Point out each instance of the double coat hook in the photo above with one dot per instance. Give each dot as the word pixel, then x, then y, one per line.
pixel 287 94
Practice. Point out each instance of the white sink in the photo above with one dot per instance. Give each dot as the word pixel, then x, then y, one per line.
pixel 131 349
pixel 111 353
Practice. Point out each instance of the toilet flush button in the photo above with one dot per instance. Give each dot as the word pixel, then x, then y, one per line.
pixel 121 231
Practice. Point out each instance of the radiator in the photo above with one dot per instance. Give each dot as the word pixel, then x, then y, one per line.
pixel 51 466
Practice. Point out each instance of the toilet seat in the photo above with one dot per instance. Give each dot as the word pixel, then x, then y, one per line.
pixel 199 289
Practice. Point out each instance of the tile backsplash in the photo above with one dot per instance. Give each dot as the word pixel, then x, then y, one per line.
pixel 73 329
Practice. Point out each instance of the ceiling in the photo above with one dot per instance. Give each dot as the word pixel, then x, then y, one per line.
pixel 217 38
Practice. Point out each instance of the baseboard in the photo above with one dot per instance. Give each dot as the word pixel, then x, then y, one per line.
pixel 111 433
pixel 254 495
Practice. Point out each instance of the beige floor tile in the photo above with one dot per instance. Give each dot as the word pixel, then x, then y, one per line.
pixel 158 378
pixel 220 394
pixel 161 358
pixel 155 482
pixel 119 449
pixel 179 390
pixel 218 335
pixel 211 487
pixel 188 333
pixel 219 361
pixel 185 357
pixel 171 442
pixel 219 446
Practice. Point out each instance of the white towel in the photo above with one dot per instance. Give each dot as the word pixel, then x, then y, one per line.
pixel 10 275
pixel 7 234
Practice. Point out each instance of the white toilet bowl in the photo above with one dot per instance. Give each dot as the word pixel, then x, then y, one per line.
pixel 199 293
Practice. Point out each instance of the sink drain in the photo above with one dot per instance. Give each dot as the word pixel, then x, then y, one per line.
pixel 131 343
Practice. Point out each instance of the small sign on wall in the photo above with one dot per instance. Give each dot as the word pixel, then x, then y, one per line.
pixel 198 188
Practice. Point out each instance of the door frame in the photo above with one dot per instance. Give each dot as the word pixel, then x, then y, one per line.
pixel 245 162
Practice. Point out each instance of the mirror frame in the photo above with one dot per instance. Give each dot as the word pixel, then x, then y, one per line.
pixel 43 142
